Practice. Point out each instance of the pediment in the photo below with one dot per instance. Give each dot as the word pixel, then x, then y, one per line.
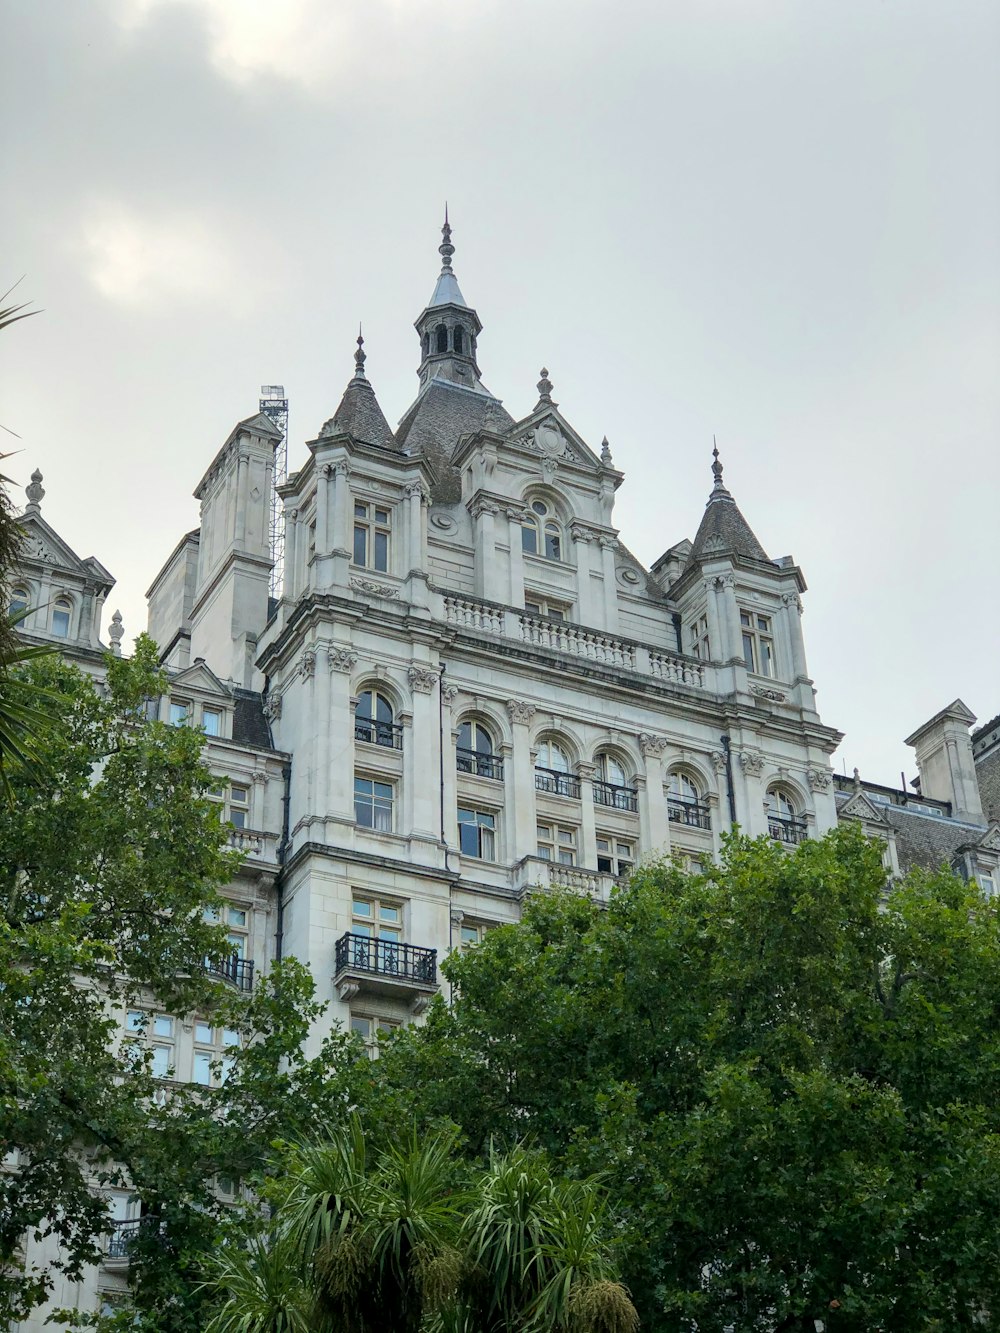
pixel 860 807
pixel 548 434
pixel 260 424
pixel 42 543
pixel 990 841
pixel 199 676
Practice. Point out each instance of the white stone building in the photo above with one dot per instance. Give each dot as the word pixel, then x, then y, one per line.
pixel 471 690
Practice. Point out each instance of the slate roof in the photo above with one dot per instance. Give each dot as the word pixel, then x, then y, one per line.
pixel 988 775
pixel 925 841
pixel 360 416
pixel 724 529
pixel 436 422
pixel 249 723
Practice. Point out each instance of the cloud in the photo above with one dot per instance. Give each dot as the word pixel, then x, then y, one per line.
pixel 168 258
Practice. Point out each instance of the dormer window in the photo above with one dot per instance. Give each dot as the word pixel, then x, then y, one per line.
pixel 541 533
pixel 61 612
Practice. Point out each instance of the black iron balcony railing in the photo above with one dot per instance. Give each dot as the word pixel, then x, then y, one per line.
pixel 389 734
pixel 786 830
pixel 692 813
pixel 386 958
pixel 616 797
pixel 479 765
pixel 555 783
pixel 125 1234
pixel 234 969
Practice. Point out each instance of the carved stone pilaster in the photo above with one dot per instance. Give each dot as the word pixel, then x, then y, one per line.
pixel 608 543
pixel 792 599
pixel 307 664
pixel 650 745
pixel 520 711
pixel 449 693
pixel 422 679
pixel 579 533
pixel 719 761
pixel 340 659
pixel 752 762
pixel 259 778
pixel 481 505
pixel 819 779
pixel 272 707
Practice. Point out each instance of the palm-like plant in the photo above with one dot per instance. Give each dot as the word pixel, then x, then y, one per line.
pixel 263 1290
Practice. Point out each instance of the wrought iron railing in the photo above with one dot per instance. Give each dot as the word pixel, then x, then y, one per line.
pixel 479 765
pixel 389 734
pixel 615 796
pixel 692 813
pixel 786 830
pixel 234 969
pixel 386 958
pixel 123 1237
pixel 556 783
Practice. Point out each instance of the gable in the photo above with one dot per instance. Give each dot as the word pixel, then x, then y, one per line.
pixel 990 841
pixel 42 543
pixel 200 677
pixel 860 807
pixel 548 434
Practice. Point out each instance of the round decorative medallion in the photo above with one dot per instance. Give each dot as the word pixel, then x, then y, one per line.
pixel 549 440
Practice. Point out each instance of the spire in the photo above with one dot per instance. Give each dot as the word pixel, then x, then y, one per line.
pixel 447 291
pixel 723 529
pixel 359 414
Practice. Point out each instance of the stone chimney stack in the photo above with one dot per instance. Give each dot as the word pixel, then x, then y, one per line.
pixel 944 759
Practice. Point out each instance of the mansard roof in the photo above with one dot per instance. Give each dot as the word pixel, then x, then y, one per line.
pixel 434 424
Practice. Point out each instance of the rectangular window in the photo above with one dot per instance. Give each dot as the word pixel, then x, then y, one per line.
pixel 614 855
pixel 477 834
pixel 375 919
pixel 699 638
pixel 163 1059
pixel 544 606
pixel 180 713
pixel 202 1069
pixel 758 643
pixel 234 798
pixel 470 934
pixel 557 842
pixel 373 1029
pixel 373 804
pixel 211 721
pixel 986 882
pixel 372 525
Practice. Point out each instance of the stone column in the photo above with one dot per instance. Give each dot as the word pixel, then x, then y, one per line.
pixel 320 711
pixel 290 587
pixel 306 701
pixel 793 630
pixel 653 823
pixel 588 820
pixel 323 524
pixel 730 617
pixel 340 530
pixel 423 768
pixel 339 724
pixel 716 645
pixel 488 576
pixel 449 795
pixel 516 583
pixel 608 547
pixel 750 792
pixel 524 838
pixel 581 538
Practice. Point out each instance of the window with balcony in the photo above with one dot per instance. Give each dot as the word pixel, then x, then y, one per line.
pixel 784 819
pixel 557 842
pixel 474 752
pixel 612 785
pixel 758 642
pixel 374 722
pixel 552 772
pixel 545 606
pixel 686 803
pixel 541 532
pixel 238 967
pixel 62 613
pixel 477 833
pixel 373 802
pixel 371 536
pixel 615 856
pixel 374 918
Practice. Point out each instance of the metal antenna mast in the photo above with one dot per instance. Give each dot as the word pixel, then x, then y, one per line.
pixel 274 404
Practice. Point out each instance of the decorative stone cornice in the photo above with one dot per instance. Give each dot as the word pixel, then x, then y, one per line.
pixel 650 745
pixel 520 711
pixel 340 659
pixel 422 679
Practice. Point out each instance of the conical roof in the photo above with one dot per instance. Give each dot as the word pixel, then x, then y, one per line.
pixel 723 529
pixel 359 414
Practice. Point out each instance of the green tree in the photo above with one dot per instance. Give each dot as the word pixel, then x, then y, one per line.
pixel 788 1074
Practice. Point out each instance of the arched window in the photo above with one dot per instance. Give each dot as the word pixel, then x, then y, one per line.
pixel 784 820
pixel 552 773
pixel 474 752
pixel 685 801
pixel 458 341
pixel 373 721
pixel 441 338
pixel 541 533
pixel 61 613
pixel 427 344
pixel 18 601
pixel 612 786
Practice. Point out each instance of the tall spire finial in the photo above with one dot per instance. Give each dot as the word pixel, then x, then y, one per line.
pixel 359 357
pixel 446 249
pixel 719 487
pixel 35 492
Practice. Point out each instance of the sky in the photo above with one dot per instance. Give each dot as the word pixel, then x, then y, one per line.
pixel 772 221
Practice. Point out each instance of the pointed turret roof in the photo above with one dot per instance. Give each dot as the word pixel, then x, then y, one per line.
pixel 359 414
pixel 446 290
pixel 723 529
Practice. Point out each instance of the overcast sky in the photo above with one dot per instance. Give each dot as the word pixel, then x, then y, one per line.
pixel 772 220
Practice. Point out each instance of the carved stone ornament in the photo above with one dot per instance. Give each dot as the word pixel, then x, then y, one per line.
pixel 819 778
pixel 417 488
pixel 763 692
pixel 342 468
pixel 608 543
pixel 517 515
pixel 549 440
pixel 483 506
pixel 727 581
pixel 272 707
pixel 792 599
pixel 307 665
pixel 752 762
pixel 449 693
pixel 520 711
pixel 422 679
pixel 340 659
pixel 719 761
pixel 549 469
pixel 259 778
pixel 651 745
pixel 579 533
pixel 375 589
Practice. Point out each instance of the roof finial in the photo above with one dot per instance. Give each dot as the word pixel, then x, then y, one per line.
pixel 857 780
pixel 446 249
pixel 359 357
pixel 544 387
pixel 719 489
pixel 35 492
pixel 116 631
pixel 606 452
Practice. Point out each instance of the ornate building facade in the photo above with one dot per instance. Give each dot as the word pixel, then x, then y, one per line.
pixel 470 690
